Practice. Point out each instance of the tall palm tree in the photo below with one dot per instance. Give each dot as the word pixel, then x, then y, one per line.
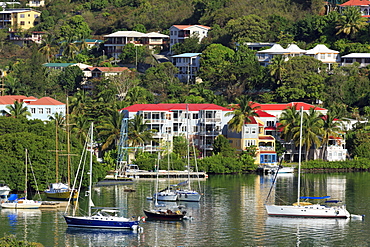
pixel 288 121
pixel 277 69
pixel 109 129
pixel 311 130
pixel 58 118
pixel 138 132
pixel 48 47
pixel 330 128
pixel 242 111
pixel 17 110
pixel 13 85
pixel 351 21
pixel 70 48
pixel 80 126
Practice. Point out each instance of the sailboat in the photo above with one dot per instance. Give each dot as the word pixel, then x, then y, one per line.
pixel 23 203
pixel 160 212
pixel 58 190
pixel 306 209
pixel 165 194
pixel 188 194
pixel 104 217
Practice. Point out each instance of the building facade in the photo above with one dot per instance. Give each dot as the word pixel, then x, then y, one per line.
pixel 200 123
pixel 42 108
pixel 14 19
pixel 178 33
pixel 188 65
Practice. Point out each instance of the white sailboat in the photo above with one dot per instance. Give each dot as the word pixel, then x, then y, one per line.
pixel 188 194
pixel 166 194
pixel 103 218
pixel 22 203
pixel 304 209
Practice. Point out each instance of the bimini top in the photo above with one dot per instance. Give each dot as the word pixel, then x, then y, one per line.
pixel 315 197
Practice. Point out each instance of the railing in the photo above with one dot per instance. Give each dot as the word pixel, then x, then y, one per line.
pixel 263 148
pixel 210 133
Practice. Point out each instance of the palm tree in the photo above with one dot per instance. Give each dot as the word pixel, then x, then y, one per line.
pixel 48 48
pixel 330 128
pixel 276 68
pixel 109 129
pixel 80 126
pixel 138 132
pixel 58 118
pixel 288 121
pixel 17 110
pixel 311 130
pixel 242 111
pixel 13 85
pixel 69 48
pixel 351 22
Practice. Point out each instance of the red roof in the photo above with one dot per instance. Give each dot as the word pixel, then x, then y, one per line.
pixel 270 128
pixel 281 107
pixel 171 107
pixel 267 152
pixel 264 114
pixel 46 101
pixel 181 27
pixel 266 138
pixel 355 3
pixel 9 99
pixel 108 69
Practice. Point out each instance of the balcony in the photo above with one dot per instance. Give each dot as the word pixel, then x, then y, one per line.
pixel 264 148
pixel 210 133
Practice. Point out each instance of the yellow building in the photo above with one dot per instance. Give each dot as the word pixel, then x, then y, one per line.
pixel 252 134
pixel 19 19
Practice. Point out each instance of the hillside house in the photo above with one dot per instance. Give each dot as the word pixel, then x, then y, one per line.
pixel 24 19
pixel 188 65
pixel 178 33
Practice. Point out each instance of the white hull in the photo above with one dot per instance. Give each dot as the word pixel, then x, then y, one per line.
pixel 4 190
pixel 188 196
pixel 21 204
pixel 315 211
pixel 166 195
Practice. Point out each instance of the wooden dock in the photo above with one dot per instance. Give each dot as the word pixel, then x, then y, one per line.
pixel 130 176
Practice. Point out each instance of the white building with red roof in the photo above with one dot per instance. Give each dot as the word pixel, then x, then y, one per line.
pixel 363 5
pixel 41 108
pixel 202 123
pixel 178 33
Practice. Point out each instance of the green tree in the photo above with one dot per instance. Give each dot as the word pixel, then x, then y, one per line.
pixel 288 122
pixel 48 47
pixel 109 129
pixel 242 111
pixel 75 27
pixel 70 79
pixel 17 110
pixel 330 128
pixel 351 21
pixel 277 69
pixel 222 147
pixel 138 132
pixel 190 45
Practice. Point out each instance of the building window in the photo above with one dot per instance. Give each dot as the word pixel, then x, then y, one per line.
pixel 195 129
pixel 249 143
pixel 270 123
pixel 247 130
pixel 48 110
pixel 29 15
pixel 253 130
pixel 22 16
pixel 41 110
pixel 36 16
pixel 22 23
pixel 322 56
pixel 195 116
pixel 171 32
pixel 33 110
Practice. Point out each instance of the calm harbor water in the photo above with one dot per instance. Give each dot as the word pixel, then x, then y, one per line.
pixel 230 214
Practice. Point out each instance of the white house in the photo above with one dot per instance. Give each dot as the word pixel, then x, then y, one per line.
pixel 320 52
pixel 42 108
pixel 201 123
pixel 188 65
pixel 178 33
pixel 362 58
pixel 114 42
pixel 324 54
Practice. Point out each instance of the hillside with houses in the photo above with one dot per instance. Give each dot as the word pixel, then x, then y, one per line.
pixel 228 77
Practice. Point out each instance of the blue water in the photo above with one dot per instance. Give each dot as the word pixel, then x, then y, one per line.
pixel 231 213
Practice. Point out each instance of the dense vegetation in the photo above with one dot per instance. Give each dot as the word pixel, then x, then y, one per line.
pixel 229 70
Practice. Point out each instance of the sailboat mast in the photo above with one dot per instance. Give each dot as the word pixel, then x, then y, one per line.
pixel 68 146
pixel 25 181
pixel 56 152
pixel 187 138
pixel 91 160
pixel 300 157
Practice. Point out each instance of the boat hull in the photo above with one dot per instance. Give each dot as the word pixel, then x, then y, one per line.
pixel 61 195
pixel 188 196
pixel 313 211
pixel 27 204
pixel 162 215
pixel 166 195
pixel 100 222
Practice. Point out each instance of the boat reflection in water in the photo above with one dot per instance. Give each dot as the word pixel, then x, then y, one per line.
pixel 100 237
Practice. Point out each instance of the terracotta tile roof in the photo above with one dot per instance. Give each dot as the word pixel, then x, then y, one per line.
pixel 46 101
pixel 170 107
pixel 266 138
pixel 9 99
pixel 107 69
pixel 355 3
pixel 181 27
pixel 264 114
